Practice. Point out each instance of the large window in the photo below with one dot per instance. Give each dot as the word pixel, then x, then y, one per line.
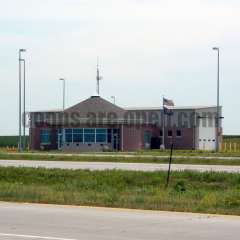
pixel 45 136
pixel 88 135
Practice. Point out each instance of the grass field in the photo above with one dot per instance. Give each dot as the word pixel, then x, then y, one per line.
pixel 10 141
pixel 119 158
pixel 188 191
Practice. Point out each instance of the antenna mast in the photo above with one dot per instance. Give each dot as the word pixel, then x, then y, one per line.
pixel 98 77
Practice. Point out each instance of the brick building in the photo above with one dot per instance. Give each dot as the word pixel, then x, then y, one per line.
pixel 98 125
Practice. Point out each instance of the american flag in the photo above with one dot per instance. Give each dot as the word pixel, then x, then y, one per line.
pixel 168 102
pixel 167 106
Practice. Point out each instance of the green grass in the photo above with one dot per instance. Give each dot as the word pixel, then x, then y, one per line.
pixel 190 153
pixel 9 141
pixel 188 191
pixel 119 158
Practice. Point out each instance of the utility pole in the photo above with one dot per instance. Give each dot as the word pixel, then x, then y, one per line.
pixel 24 104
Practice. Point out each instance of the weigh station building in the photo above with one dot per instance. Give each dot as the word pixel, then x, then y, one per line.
pixel 99 125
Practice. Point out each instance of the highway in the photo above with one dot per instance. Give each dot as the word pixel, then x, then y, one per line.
pixel 148 167
pixel 51 222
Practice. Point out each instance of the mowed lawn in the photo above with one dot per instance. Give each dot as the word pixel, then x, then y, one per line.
pixel 188 191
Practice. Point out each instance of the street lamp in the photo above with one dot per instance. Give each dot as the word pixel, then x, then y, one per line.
pixel 24 104
pixel 114 99
pixel 63 80
pixel 20 51
pixel 218 108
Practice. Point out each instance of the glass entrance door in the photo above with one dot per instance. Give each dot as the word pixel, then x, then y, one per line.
pixel 60 139
pixel 116 139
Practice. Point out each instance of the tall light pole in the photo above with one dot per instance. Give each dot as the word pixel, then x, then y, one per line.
pixel 64 94
pixel 218 107
pixel 20 100
pixel 114 99
pixel 24 104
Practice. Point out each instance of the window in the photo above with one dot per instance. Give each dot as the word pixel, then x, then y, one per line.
pixel 45 136
pixel 77 138
pixel 101 138
pixel 68 135
pixel 78 135
pixel 101 131
pixel 89 131
pixel 170 133
pixel 160 133
pixel 77 131
pixel 147 137
pixel 89 135
pixel 179 133
pixel 89 138
pixel 68 130
pixel 101 135
pixel 68 138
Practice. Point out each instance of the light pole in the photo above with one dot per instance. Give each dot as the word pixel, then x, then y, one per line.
pixel 63 80
pixel 218 108
pixel 20 100
pixel 24 104
pixel 114 99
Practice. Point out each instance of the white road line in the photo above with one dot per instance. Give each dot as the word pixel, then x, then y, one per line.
pixel 33 237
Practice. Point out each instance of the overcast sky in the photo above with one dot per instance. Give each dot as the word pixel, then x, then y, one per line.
pixel 147 48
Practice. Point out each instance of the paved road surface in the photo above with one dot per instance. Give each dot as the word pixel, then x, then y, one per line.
pixel 41 222
pixel 121 166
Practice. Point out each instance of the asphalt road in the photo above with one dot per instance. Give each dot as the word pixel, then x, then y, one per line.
pixel 41 222
pixel 148 167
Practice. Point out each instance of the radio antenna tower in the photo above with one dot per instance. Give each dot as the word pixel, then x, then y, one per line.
pixel 98 77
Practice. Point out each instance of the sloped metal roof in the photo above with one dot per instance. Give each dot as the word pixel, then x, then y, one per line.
pixel 96 105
